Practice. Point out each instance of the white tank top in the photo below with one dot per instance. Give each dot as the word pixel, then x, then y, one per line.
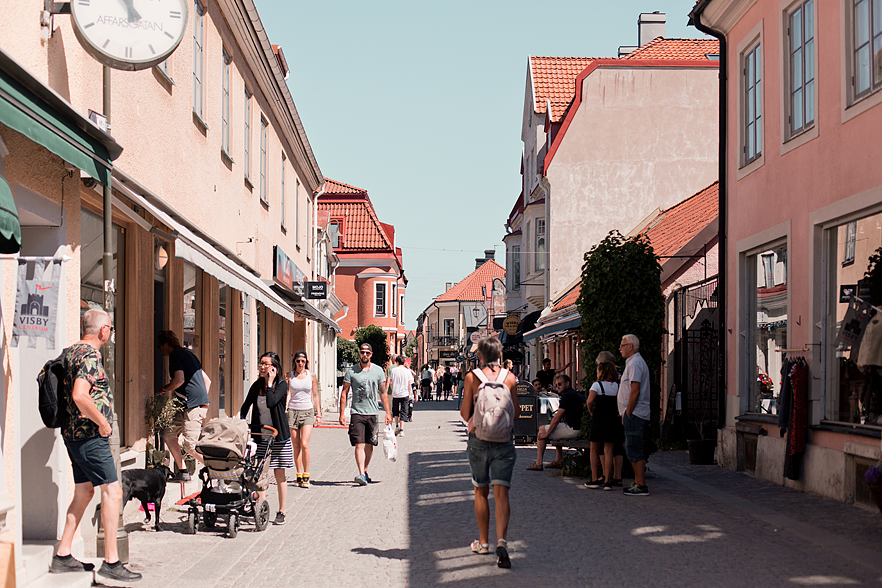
pixel 301 392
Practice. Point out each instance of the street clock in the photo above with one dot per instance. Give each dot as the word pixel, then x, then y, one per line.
pixel 129 34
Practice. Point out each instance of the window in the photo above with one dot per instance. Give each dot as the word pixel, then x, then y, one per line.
pixel 198 36
pixel 448 327
pixel 401 310
pixel 284 161
pixel 800 66
pixel 541 258
pixel 850 235
pixel 379 299
pixel 225 105
pixel 263 131
pixel 297 213
pixel 767 323
pixel 528 183
pixel 516 268
pixel 752 127
pixel 335 231
pixel 854 394
pixel 866 59
pixel 310 232
pixel 247 135
pixel 394 300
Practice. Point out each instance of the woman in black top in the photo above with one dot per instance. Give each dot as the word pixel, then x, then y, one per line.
pixel 606 423
pixel 268 400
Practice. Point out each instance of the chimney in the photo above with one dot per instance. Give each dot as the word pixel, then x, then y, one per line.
pixel 626 50
pixel 650 25
pixel 479 261
pixel 488 255
pixel 448 286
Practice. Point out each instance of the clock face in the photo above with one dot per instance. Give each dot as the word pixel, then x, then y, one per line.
pixel 129 34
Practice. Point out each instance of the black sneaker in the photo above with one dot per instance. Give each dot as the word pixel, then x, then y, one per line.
pixel 594 484
pixel 368 478
pixel 280 519
pixel 617 482
pixel 636 489
pixel 183 476
pixel 61 565
pixel 607 486
pixel 119 572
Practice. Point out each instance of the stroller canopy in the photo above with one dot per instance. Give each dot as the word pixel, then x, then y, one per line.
pixel 223 442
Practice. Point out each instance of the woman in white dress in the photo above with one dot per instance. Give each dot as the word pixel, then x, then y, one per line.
pixel 304 410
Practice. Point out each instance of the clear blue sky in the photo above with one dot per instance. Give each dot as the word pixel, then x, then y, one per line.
pixel 420 103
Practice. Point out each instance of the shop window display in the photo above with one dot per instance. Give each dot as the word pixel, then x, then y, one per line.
pixel 855 322
pixel 767 270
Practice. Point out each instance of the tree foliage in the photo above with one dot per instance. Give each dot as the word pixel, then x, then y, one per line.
pixel 621 294
pixel 347 352
pixel 410 347
pixel 376 337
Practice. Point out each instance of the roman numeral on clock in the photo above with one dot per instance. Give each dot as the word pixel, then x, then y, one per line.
pixel 83 2
pixel 128 51
pixel 152 50
pixel 172 13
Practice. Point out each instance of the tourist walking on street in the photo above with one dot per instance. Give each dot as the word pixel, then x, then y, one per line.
pixel 447 383
pixel 190 384
pixel 86 402
pixel 565 424
pixel 368 383
pixel 633 401
pixel 491 462
pixel 439 382
pixel 267 401
pixel 401 383
pixel 304 410
pixel 606 424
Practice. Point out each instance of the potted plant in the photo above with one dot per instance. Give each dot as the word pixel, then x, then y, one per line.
pixel 160 411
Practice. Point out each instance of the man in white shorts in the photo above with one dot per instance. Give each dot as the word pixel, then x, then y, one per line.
pixel 400 382
pixel 566 423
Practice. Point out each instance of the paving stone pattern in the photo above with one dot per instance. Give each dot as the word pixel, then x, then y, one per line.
pixel 701 526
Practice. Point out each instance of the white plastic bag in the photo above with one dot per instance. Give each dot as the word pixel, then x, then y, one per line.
pixel 390 444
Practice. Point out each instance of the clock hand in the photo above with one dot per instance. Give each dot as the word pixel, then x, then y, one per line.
pixel 133 14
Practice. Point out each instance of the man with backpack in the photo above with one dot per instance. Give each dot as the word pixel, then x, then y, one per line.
pixel 86 402
pixel 490 405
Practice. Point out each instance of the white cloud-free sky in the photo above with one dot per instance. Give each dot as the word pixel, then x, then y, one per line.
pixel 420 103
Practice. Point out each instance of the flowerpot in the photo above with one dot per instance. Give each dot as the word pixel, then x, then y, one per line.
pixel 701 451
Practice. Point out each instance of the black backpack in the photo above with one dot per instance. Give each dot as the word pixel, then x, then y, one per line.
pixel 49 381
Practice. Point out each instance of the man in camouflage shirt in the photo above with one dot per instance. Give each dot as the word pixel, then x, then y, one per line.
pixel 87 402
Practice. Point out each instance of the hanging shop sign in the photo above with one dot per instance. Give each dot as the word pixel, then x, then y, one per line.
pixel 447 354
pixel 316 290
pixel 36 303
pixel 287 273
pixel 510 324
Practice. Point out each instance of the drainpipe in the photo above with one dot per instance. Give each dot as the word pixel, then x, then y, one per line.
pixel 695 20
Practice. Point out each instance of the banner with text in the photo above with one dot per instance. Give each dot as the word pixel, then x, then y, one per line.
pixel 36 303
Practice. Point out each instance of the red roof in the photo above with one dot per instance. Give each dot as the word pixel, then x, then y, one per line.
pixel 679 49
pixel 554 79
pixel 361 227
pixel 569 298
pixel 470 288
pixel 673 228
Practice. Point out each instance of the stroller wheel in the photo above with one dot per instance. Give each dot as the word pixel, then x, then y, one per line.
pixel 192 521
pixel 261 515
pixel 233 528
pixel 210 519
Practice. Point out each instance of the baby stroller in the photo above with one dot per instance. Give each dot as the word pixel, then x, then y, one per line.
pixel 229 478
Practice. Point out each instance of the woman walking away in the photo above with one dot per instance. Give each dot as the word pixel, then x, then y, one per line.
pixel 304 410
pixel 491 462
pixel 266 400
pixel 606 425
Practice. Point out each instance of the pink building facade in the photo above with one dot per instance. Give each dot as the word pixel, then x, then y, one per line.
pixel 801 218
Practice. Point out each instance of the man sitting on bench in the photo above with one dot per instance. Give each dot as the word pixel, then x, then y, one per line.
pixel 566 423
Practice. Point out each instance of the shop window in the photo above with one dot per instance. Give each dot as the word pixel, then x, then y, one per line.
pixel 192 308
pixel 767 325
pixel 92 292
pixel 223 334
pixel 850 234
pixel 854 381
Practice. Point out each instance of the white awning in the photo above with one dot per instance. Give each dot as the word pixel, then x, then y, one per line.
pixel 202 254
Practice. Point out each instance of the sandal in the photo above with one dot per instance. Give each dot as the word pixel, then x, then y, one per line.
pixel 480 548
pixel 502 558
pixel 555 465
pixel 536 467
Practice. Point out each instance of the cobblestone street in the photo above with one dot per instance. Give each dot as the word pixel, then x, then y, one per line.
pixel 701 526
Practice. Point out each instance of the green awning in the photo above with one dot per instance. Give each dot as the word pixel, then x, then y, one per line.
pixel 63 133
pixel 10 229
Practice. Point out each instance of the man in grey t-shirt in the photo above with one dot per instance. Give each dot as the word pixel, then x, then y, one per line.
pixel 367 381
pixel 633 404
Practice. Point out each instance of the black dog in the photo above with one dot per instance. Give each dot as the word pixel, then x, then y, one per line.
pixel 148 486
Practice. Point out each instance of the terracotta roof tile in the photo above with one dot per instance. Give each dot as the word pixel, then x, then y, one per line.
pixel 361 229
pixel 569 299
pixel 687 49
pixel 470 287
pixel 675 227
pixel 554 79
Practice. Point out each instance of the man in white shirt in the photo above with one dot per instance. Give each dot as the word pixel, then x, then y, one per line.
pixel 401 382
pixel 633 403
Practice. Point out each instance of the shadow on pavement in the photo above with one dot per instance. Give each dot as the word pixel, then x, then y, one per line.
pixel 385 553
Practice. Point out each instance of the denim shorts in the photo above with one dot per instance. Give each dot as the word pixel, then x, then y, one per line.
pixel 91 461
pixel 491 463
pixel 634 428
